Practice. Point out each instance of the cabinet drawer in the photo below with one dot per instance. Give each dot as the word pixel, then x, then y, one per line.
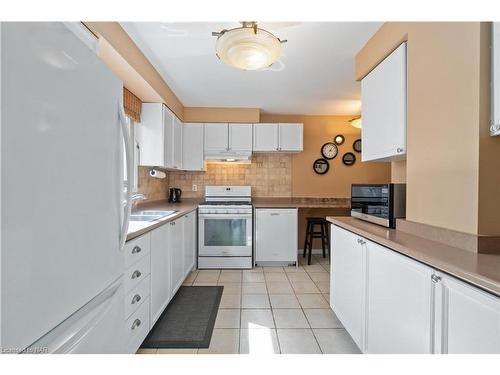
pixel 137 248
pixel 136 297
pixel 137 328
pixel 136 273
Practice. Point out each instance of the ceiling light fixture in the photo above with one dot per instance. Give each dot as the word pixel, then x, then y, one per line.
pixel 356 122
pixel 248 47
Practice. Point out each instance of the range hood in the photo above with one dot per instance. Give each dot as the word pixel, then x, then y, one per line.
pixel 229 157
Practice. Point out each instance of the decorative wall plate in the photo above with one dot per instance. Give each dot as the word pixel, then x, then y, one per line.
pixel 321 166
pixel 329 150
pixel 356 146
pixel 349 158
pixel 339 139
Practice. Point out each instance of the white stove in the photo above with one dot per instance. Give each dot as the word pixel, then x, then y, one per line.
pixel 225 228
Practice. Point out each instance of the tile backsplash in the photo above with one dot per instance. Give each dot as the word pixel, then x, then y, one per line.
pixel 152 188
pixel 269 175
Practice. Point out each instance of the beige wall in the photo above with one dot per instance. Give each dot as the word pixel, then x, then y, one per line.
pixel 337 182
pixel 448 106
pixel 269 175
pixel 204 114
pixel 119 40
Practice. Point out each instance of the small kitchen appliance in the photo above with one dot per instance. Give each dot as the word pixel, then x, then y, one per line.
pixel 378 203
pixel 174 195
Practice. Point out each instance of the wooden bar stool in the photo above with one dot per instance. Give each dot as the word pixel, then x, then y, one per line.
pixel 311 234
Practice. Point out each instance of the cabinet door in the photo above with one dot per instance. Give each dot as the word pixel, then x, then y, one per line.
pixel 240 137
pixel 383 101
pixel 176 247
pixel 348 282
pixel 192 147
pixel 216 138
pixel 265 137
pixel 276 235
pixel 177 144
pixel 168 137
pixel 399 304
pixel 160 272
pixel 291 136
pixel 150 135
pixel 467 319
pixel 189 242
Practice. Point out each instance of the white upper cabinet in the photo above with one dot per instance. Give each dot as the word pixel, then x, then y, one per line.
pixel 265 137
pixel 223 138
pixel 467 319
pixel 383 109
pixel 291 137
pixel 240 137
pixel 282 137
pixel 150 134
pixel 160 137
pixel 216 138
pixel 192 147
pixel 168 137
pixel 177 144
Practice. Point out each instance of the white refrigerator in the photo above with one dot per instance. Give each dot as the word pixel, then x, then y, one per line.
pixel 64 208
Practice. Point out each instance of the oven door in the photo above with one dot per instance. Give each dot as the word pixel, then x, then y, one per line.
pixel 225 235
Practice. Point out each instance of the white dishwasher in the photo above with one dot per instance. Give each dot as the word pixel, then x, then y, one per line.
pixel 276 236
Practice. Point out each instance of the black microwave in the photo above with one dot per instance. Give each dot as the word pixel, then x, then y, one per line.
pixel 379 203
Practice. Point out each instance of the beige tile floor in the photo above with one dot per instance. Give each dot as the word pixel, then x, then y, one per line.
pixel 273 310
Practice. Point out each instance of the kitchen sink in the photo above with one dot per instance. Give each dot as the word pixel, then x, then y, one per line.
pixel 150 215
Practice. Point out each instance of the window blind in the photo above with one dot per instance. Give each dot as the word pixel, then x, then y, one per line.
pixel 132 105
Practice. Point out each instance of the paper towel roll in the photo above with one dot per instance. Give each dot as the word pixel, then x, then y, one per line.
pixel 157 174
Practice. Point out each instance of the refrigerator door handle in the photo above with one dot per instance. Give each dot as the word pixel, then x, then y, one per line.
pixel 128 160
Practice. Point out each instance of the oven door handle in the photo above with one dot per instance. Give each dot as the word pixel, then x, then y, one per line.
pixel 225 216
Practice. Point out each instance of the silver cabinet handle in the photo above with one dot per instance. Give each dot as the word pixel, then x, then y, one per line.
pixel 136 274
pixel 136 299
pixel 361 242
pixel 135 324
pixel 399 150
pixel 136 250
pixel 435 278
pixel 275 214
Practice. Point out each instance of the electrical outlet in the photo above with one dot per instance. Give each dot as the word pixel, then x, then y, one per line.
pixel 195 187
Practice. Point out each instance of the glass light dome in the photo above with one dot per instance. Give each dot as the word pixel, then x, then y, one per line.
pixel 248 48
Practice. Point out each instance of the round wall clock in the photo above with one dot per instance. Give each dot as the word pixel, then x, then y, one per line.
pixel 357 145
pixel 339 139
pixel 321 166
pixel 329 150
pixel 349 158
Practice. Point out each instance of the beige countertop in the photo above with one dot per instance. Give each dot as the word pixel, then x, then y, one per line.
pixel 137 228
pixel 301 202
pixel 482 270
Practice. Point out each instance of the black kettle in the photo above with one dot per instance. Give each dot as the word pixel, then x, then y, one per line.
pixel 174 195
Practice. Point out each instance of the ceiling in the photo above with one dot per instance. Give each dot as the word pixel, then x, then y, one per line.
pixel 315 75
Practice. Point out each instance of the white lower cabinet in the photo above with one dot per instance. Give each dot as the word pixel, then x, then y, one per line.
pixel 160 271
pixel 467 319
pixel 189 242
pixel 399 303
pixel 347 282
pixel 390 303
pixel 176 249
pixel 137 291
pixel 276 235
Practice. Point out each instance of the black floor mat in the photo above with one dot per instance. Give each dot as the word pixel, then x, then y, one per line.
pixel 189 319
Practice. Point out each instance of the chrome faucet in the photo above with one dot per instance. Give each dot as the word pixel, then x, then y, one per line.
pixel 136 197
